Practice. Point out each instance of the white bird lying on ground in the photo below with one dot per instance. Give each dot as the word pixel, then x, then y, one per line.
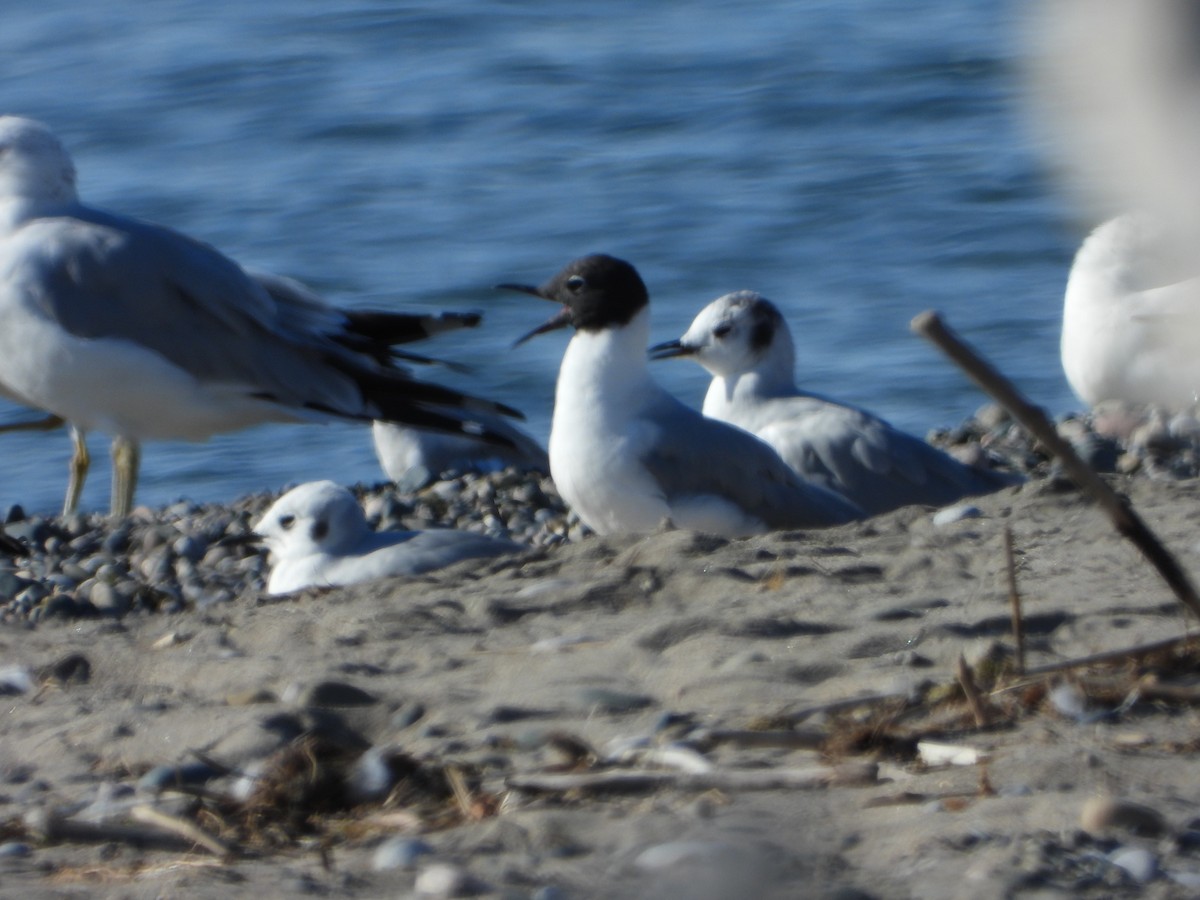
pixel 626 455
pixel 743 340
pixel 133 329
pixel 318 536
pixel 1131 316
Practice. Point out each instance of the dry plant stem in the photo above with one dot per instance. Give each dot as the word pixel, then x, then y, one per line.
pixel 930 326
pixel 978 705
pixel 148 815
pixel 1110 656
pixel 1014 600
pixel 725 780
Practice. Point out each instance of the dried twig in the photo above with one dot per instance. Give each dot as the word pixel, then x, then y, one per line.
pixel 979 708
pixel 189 831
pixel 722 780
pixel 1014 600
pixel 1125 654
pixel 1127 522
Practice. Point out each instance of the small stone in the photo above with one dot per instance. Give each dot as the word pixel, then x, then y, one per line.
pixel 107 599
pixel 673 853
pixel 444 880
pixel 1141 865
pixel 399 853
pixel 952 514
pixel 15 680
pixel 1069 700
pixel 407 715
pixel 1100 814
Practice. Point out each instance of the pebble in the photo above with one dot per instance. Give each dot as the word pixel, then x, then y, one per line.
pixel 1069 701
pixel 1141 865
pixel 444 880
pixel 1101 814
pixel 674 853
pixel 952 514
pixel 399 853
pixel 15 680
pixel 371 776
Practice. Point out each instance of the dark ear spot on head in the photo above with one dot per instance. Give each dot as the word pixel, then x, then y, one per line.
pixel 320 529
pixel 760 336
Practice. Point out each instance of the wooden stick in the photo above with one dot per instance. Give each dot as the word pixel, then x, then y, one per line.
pixel 966 678
pixel 1014 600
pixel 189 831
pixel 1127 522
pixel 1111 656
pixel 722 780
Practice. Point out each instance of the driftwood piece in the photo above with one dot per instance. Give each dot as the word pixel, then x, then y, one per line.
pixel 855 773
pixel 1127 522
pixel 1124 654
pixel 189 831
pixel 157 830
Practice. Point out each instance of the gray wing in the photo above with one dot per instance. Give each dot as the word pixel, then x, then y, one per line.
pixel 104 276
pixel 412 553
pixel 698 455
pixel 863 457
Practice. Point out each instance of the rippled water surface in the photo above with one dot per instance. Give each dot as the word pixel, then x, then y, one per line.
pixel 857 162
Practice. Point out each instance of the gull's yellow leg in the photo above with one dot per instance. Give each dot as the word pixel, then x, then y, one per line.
pixel 81 460
pixel 126 457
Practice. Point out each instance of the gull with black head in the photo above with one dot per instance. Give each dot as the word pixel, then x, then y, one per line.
pixel 626 455
pixel 744 342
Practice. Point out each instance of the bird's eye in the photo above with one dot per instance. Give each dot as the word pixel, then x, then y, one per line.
pixel 576 283
pixel 286 522
pixel 723 329
pixel 320 529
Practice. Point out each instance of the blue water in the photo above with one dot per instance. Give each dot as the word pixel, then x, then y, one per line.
pixel 856 161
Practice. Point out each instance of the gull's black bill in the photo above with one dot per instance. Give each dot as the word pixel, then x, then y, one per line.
pixel 562 320
pixel 669 349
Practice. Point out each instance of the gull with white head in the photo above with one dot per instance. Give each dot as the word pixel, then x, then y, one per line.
pixel 626 455
pixel 121 326
pixel 744 342
pixel 318 537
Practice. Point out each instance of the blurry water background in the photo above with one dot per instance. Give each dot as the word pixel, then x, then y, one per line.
pixel 857 161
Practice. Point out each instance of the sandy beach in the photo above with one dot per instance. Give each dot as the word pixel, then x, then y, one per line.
pixel 388 739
